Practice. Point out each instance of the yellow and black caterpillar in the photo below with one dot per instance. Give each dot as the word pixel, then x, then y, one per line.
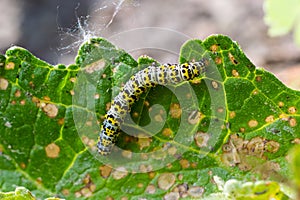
pixel 136 85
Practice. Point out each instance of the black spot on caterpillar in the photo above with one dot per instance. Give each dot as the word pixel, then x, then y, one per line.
pixel 136 85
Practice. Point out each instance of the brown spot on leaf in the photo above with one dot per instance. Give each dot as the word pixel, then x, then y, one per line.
pixel 292 122
pixel 184 163
pixel 96 96
pixel 23 102
pixel 258 78
pixel 150 189
pixel 218 60
pixel 252 123
pixel 72 92
pixel 175 110
pixel 280 104
pixel 22 165
pixel 194 117
pixel 61 121
pixel 143 141
pixel 232 59
pixel 201 139
pixel 158 118
pixel 52 150
pixel 292 110
pixel 46 98
pixel 65 192
pixel 232 114
pixel 215 84
pixel 270 119
pixel 167 132
pixel 105 171
pixel 172 150
pixel 107 106
pixel 214 47
pixel 255 92
pixel 296 141
pixel 119 173
pixel 235 73
pixel 127 154
pixel 96 66
pixel 172 196
pixel 3 84
pixel 165 181
pixel 272 146
pixel 73 79
pixel 51 110
pixel 18 93
pixel 151 175
pixel 196 191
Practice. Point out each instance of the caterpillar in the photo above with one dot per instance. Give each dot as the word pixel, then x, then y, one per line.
pixel 134 87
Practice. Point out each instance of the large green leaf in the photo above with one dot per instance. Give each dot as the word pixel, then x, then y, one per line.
pixel 234 122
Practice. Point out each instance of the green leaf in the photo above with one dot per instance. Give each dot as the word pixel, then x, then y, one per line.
pixel 235 121
pixel 282 17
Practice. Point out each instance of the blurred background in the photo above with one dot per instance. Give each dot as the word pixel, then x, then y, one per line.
pixel 53 29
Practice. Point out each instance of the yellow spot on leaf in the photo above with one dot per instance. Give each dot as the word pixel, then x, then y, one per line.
pixel 52 150
pixel 10 66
